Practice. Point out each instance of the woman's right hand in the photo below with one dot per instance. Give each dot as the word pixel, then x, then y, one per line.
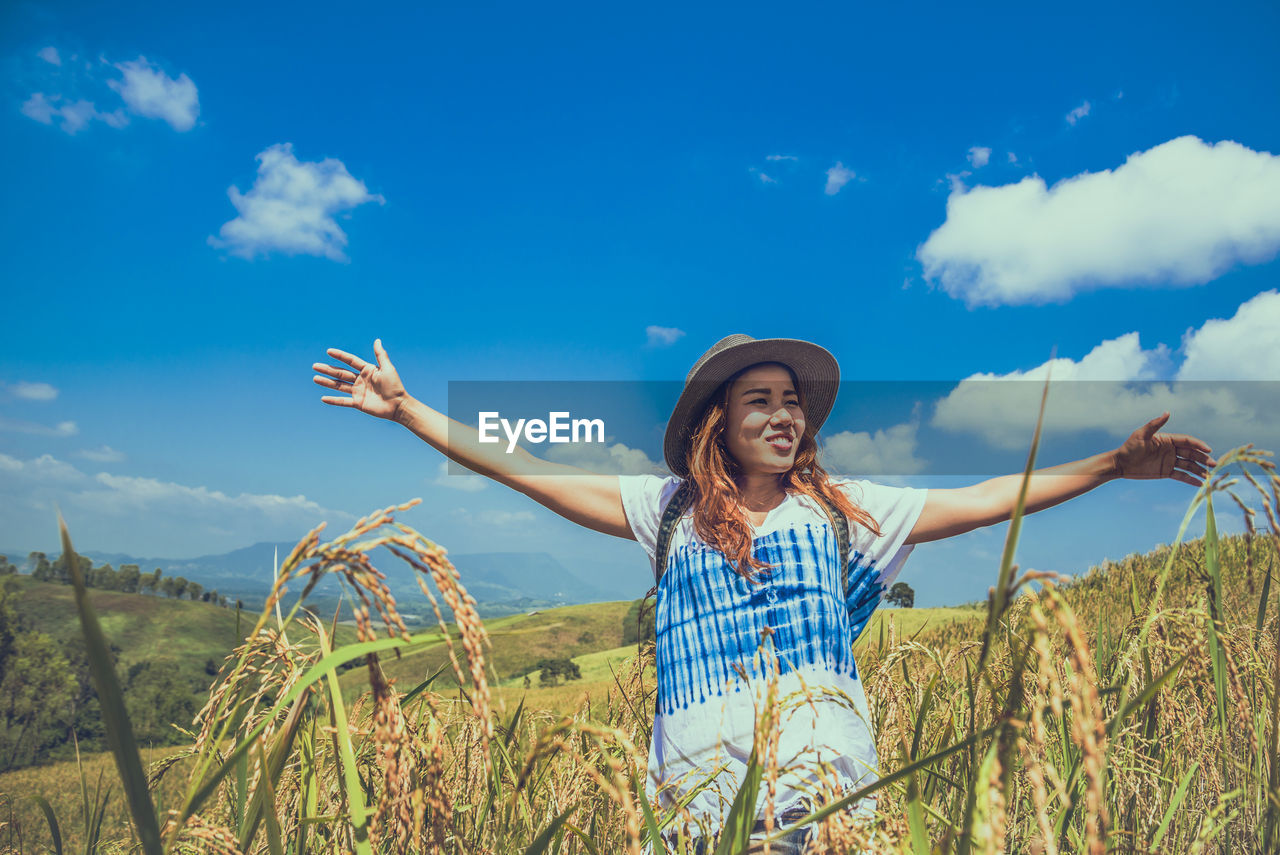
pixel 376 388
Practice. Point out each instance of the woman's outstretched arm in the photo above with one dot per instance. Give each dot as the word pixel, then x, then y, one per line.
pixel 591 500
pixel 1144 455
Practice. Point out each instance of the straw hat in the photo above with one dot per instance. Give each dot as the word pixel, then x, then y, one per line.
pixel 816 371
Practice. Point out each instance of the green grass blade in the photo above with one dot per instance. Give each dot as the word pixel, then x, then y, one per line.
pixel 115 717
pixel 99 814
pixel 356 804
pixel 93 819
pixel 919 831
pixel 50 818
pixel 1000 598
pixel 586 839
pixel 921 714
pixel 85 810
pixel 515 724
pixel 1144 697
pixel 423 686
pixel 326 667
pixel 309 792
pixel 651 822
pixel 281 751
pixel 543 840
pixel 1173 807
pixel 238 806
pixel 905 772
pixel 980 816
pixel 269 804
pixel 742 814
pixel 1262 605
pixel 1217 654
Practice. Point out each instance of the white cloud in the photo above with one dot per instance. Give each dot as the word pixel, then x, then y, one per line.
pixel 886 452
pixel 790 157
pixel 1179 214
pixel 1241 348
pixel 291 207
pixel 470 483
pixel 102 454
pixel 604 459
pixel 40 108
pixel 979 156
pixel 764 178
pixel 662 336
pixel 837 177
pixel 956 180
pixel 501 518
pixel 75 115
pixel 1084 395
pixel 494 518
pixel 1078 113
pixel 1013 158
pixel 144 515
pixel 18 426
pixel 148 91
pixel 145 89
pixel 119 494
pixel 1119 386
pixel 33 391
pixel 45 469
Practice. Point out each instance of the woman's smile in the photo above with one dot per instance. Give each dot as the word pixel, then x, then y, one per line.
pixel 782 442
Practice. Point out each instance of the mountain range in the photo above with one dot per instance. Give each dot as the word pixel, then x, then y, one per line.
pixel 501 582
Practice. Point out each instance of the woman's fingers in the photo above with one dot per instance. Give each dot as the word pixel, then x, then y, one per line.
pixel 1195 454
pixel 335 372
pixel 1193 467
pixel 1179 475
pixel 350 358
pixel 1182 440
pixel 380 352
pixel 330 383
pixel 338 402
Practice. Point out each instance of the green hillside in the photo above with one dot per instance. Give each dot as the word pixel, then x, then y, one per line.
pixel 144 627
pixel 519 642
pixel 168 652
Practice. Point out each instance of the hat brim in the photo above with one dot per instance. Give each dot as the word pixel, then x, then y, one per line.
pixel 816 371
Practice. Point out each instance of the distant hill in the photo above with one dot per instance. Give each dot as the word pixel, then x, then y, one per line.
pixel 144 627
pixel 502 582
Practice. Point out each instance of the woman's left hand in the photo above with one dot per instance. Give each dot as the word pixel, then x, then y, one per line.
pixel 1147 454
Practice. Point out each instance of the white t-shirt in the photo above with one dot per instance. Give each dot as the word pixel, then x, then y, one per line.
pixel 708 618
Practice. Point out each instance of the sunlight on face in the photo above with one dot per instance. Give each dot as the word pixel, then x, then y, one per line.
pixel 764 419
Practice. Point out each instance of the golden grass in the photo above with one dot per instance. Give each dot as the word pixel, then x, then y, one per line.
pixel 1133 709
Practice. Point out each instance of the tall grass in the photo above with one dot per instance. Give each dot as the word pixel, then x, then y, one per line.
pixel 1133 709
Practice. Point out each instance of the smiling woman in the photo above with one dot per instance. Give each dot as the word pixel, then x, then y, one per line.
pixel 754 548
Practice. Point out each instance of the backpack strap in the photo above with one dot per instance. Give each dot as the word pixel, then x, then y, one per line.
pixel 841 525
pixel 676 506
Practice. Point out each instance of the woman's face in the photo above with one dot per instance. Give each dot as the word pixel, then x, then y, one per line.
pixel 764 420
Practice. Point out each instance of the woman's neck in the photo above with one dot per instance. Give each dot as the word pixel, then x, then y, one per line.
pixel 761 491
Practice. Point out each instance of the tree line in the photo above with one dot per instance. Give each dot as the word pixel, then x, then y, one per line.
pixel 129 579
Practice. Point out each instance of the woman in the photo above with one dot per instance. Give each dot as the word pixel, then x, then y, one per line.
pixel 757 552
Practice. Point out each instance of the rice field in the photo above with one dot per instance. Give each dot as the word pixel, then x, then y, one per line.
pixel 1132 709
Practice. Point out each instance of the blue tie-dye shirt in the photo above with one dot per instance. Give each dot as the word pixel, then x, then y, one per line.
pixel 710 619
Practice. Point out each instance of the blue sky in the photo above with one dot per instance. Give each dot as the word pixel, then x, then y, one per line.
pixel 203 202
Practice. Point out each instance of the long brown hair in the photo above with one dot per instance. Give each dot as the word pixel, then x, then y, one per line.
pixel 718 514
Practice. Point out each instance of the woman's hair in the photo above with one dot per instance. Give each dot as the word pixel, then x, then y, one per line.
pixel 718 515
